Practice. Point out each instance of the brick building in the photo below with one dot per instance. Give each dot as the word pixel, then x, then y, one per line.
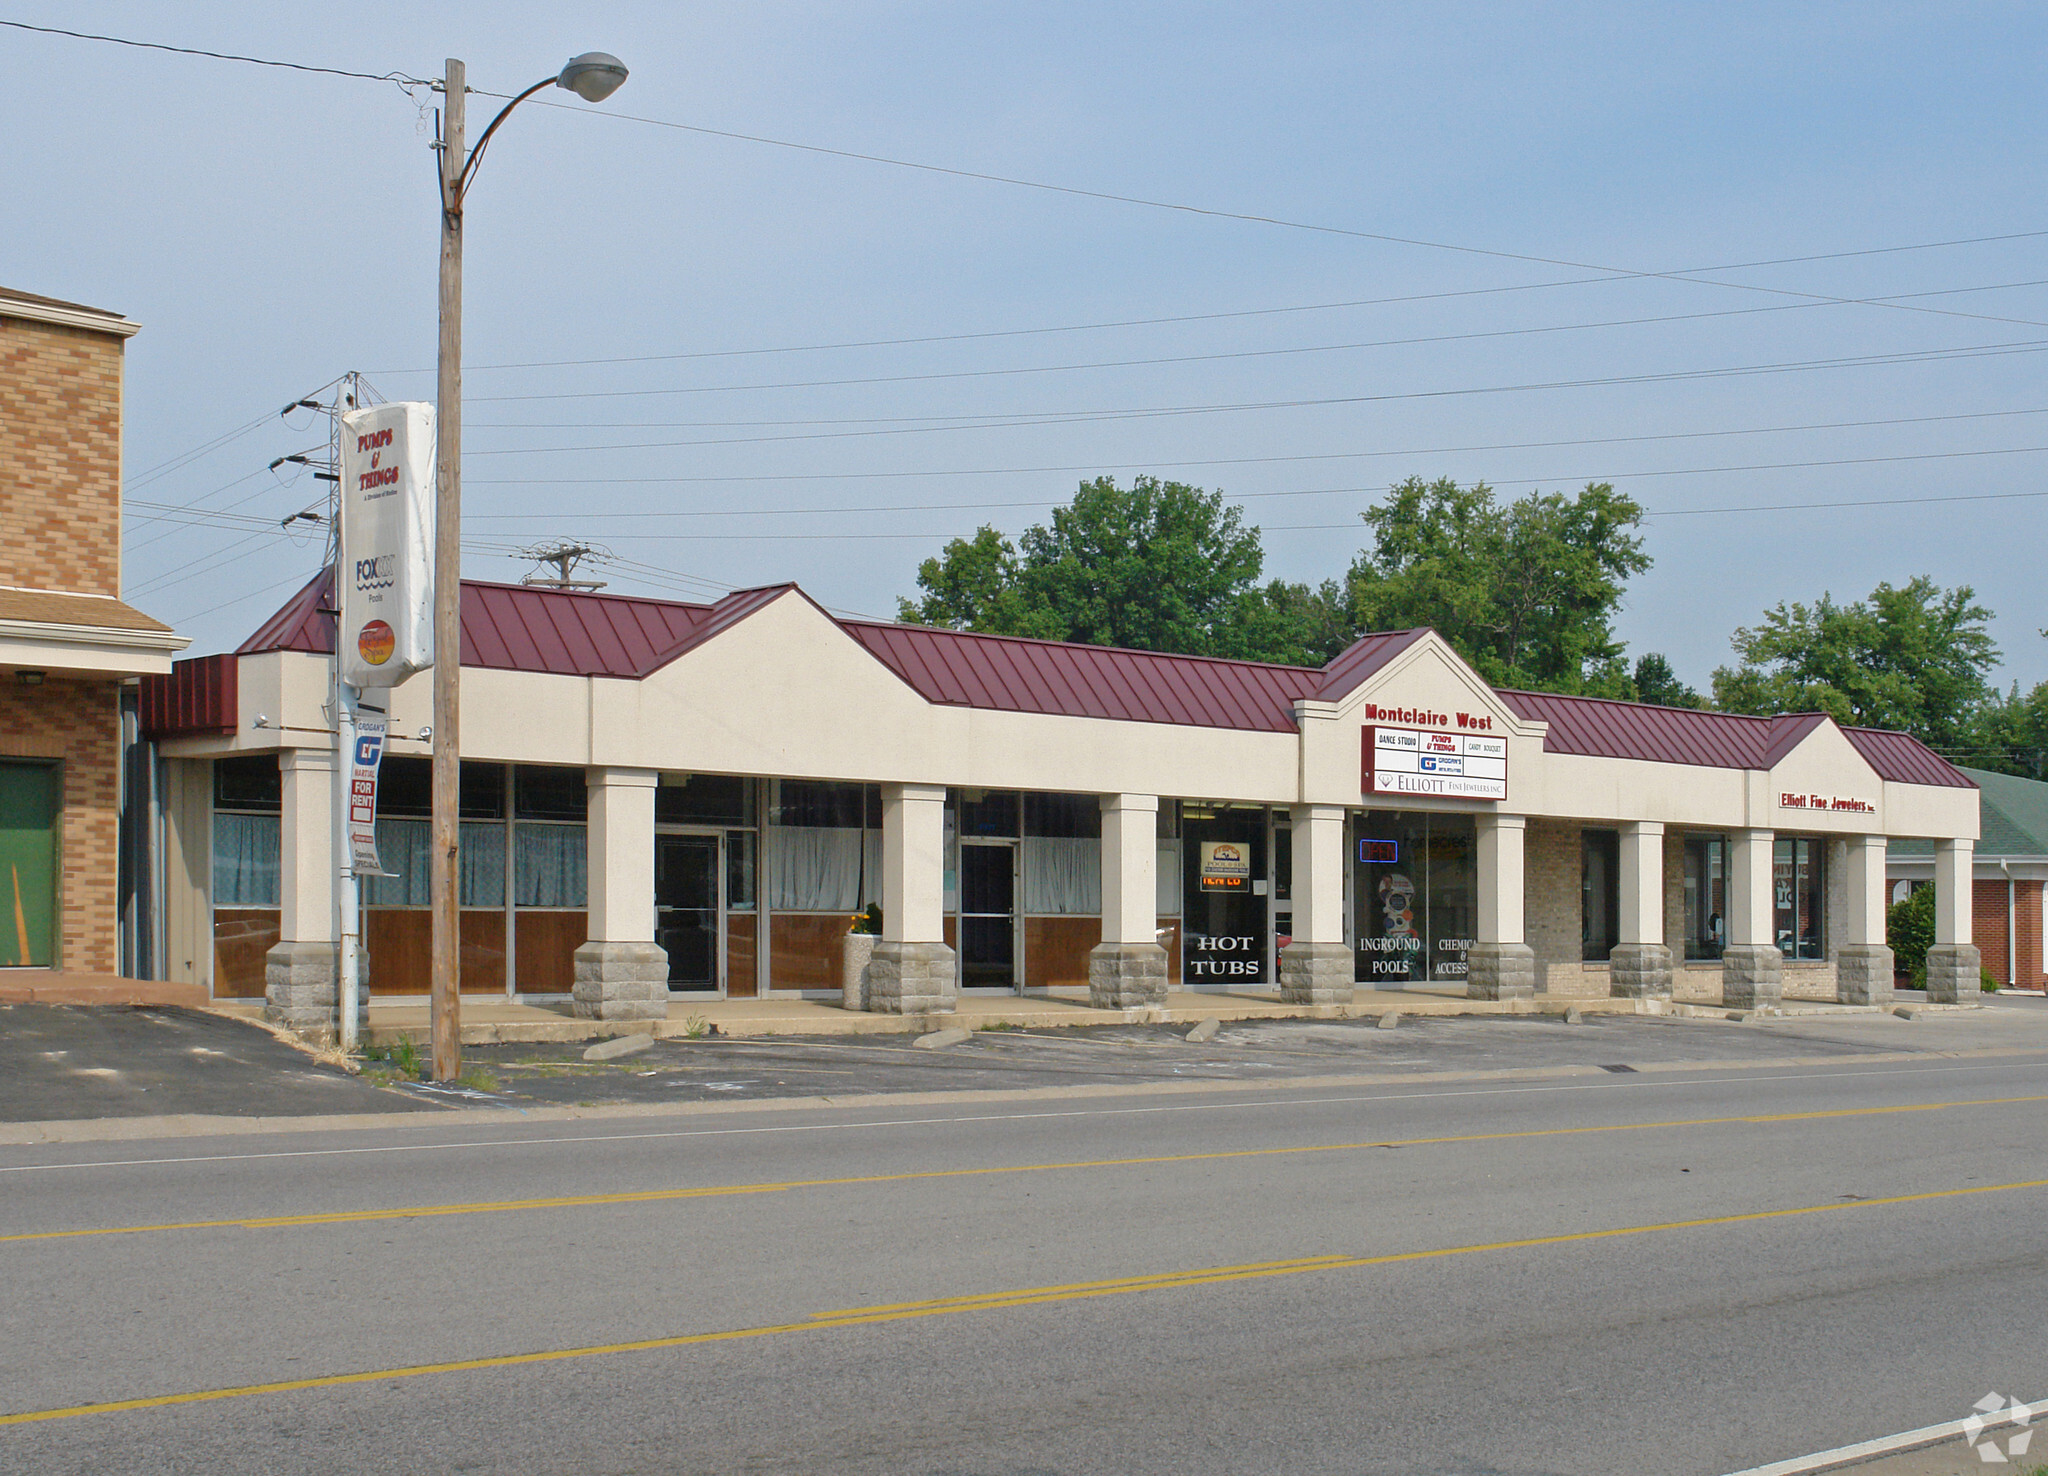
pixel 70 650
pixel 2011 872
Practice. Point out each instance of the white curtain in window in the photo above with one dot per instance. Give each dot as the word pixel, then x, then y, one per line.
pixel 1169 878
pixel 245 860
pixel 483 863
pixel 404 847
pixel 816 868
pixel 1063 874
pixel 549 866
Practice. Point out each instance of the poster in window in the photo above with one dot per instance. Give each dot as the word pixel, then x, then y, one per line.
pixel 1226 867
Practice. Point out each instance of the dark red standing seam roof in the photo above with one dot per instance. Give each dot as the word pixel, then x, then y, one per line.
pixel 1364 656
pixel 1904 759
pixel 516 627
pixel 1011 674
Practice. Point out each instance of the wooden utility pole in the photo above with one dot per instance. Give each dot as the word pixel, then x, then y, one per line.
pixel 447 961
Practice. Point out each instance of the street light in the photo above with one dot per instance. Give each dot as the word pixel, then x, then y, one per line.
pixel 593 76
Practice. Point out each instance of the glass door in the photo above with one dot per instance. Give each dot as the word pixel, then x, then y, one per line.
pixel 686 910
pixel 28 865
pixel 988 914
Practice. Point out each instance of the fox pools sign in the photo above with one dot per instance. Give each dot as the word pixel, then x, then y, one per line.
pixel 1440 764
pixel 385 583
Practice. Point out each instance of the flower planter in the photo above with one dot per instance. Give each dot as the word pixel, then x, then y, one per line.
pixel 855 952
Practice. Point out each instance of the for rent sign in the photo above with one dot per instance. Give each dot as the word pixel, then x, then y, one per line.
pixel 385 585
pixel 1445 765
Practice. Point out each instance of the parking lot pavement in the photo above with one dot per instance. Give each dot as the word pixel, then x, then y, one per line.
pixel 712 1069
pixel 62 1062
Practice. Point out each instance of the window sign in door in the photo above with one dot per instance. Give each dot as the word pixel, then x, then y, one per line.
pixel 1414 898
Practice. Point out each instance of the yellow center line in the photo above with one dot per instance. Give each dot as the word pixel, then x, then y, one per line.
pixel 719 1191
pixel 991 1302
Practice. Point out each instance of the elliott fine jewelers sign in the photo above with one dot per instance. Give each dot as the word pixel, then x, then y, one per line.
pixel 1443 765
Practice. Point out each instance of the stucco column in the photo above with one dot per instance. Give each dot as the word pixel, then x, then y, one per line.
pixel 300 971
pixel 1501 965
pixel 621 972
pixel 1752 968
pixel 1317 967
pixel 1128 968
pixel 913 971
pixel 1640 965
pixel 1863 964
pixel 1954 969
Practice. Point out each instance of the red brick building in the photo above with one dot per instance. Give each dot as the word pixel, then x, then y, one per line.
pixel 2011 873
pixel 70 650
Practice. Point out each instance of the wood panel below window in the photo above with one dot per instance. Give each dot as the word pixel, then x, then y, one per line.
pixel 1056 950
pixel 804 949
pixel 545 944
pixel 741 928
pixel 241 938
pixel 400 942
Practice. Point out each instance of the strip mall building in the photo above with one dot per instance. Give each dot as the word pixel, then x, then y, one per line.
pixel 664 800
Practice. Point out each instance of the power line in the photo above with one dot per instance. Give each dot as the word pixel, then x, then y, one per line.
pixel 1314 307
pixel 1010 420
pixel 1233 354
pixel 1099 467
pixel 1615 273
pixel 401 78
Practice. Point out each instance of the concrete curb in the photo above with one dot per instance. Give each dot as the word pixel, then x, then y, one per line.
pixel 435 1114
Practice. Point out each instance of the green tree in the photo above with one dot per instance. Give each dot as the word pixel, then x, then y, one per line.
pixel 2010 734
pixel 1913 657
pixel 1909 933
pixel 1526 590
pixel 1159 566
pixel 1657 684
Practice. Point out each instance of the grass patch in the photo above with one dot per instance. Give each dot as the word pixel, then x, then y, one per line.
pixel 478 1079
pixel 401 1057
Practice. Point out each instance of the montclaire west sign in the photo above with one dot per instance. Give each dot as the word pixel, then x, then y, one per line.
pixel 1436 754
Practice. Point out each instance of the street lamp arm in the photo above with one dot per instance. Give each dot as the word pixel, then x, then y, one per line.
pixel 477 153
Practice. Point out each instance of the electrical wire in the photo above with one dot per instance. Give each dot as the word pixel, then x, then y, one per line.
pixel 401 78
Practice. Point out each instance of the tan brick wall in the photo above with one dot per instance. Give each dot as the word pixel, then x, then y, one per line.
pixel 1551 896
pixel 78 722
pixel 60 447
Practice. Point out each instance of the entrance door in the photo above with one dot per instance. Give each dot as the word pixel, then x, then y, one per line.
pixel 686 908
pixel 988 915
pixel 28 865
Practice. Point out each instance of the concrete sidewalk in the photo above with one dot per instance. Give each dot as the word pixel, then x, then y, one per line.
pixel 52 986
pixel 496 1020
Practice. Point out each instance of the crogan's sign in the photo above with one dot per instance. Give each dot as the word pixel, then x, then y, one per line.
pixel 1442 764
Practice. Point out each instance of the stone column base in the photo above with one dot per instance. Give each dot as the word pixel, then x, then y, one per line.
pixel 1500 971
pixel 621 981
pixel 301 988
pixel 1863 974
pixel 1639 971
pixel 1955 974
pixel 912 979
pixel 1752 976
pixel 854 952
pixel 1317 973
pixel 1123 976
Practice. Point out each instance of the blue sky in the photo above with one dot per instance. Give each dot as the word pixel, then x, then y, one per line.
pixel 274 229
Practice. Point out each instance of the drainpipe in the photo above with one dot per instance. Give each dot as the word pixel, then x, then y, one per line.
pixel 2012 956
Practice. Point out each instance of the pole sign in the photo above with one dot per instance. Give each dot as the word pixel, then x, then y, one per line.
pixel 1449 765
pixel 386 581
pixel 362 794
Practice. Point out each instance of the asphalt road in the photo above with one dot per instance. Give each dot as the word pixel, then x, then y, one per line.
pixel 1687 1270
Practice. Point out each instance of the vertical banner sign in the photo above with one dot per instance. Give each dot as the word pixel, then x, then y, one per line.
pixel 386 582
pixel 362 795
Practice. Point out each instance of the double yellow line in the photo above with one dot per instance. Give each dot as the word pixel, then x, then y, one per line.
pixel 990 1302
pixel 658 1196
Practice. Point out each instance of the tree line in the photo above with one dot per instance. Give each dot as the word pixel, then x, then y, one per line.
pixel 1526 590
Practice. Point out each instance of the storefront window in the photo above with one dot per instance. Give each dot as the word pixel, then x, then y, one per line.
pixel 246 803
pixel 1062 860
pixel 1223 887
pixel 1706 896
pixel 824 847
pixel 1599 894
pixel 990 812
pixel 1414 897
pixel 1798 900
pixel 740 850
pixel 704 799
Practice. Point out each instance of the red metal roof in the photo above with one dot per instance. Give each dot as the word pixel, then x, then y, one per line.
pixel 516 627
pixel 1600 728
pixel 1011 674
